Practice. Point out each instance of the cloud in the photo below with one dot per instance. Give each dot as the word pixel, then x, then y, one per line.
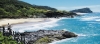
pixel 94 8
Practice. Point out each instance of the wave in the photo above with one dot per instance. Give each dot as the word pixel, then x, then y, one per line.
pixel 35 26
pixel 74 39
pixel 65 29
pixel 88 34
pixel 64 18
pixel 55 42
pixel 82 35
pixel 97 20
pixel 89 18
pixel 82 13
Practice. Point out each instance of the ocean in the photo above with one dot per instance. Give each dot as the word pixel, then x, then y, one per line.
pixel 87 27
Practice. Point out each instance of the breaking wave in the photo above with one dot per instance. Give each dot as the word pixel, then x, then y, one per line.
pixel 55 42
pixel 96 18
pixel 35 26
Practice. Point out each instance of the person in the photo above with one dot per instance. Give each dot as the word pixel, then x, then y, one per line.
pixel 0 28
pixel 9 29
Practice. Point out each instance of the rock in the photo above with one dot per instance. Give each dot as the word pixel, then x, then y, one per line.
pixel 44 40
pixel 69 34
pixel 44 36
pixel 83 10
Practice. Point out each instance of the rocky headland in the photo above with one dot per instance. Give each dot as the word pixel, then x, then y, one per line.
pixel 36 37
pixel 82 10
pixel 43 36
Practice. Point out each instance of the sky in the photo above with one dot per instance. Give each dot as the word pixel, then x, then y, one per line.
pixel 94 5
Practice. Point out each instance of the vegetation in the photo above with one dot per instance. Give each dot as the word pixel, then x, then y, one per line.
pixel 59 14
pixel 20 9
pixel 43 40
pixel 17 9
pixel 7 40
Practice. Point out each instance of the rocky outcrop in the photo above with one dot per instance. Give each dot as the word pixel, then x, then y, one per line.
pixel 83 10
pixel 69 34
pixel 37 37
pixel 43 36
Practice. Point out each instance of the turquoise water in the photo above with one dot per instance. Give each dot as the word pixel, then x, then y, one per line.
pixel 87 27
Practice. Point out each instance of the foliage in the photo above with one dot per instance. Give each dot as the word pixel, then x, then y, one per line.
pixel 59 14
pixel 44 40
pixel 7 40
pixel 20 9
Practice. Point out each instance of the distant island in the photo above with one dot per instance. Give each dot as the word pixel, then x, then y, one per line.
pixel 82 10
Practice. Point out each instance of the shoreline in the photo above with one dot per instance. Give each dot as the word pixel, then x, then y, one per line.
pixel 34 26
pixel 81 13
pixel 4 22
pixel 55 42
pixel 45 36
pixel 63 34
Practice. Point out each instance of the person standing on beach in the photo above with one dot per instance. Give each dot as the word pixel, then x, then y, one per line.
pixel 9 29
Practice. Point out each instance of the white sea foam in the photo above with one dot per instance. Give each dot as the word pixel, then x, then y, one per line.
pixel 91 22
pixel 89 18
pixel 81 35
pixel 74 40
pixel 36 26
pixel 64 18
pixel 65 29
pixel 82 13
pixel 55 42
pixel 88 34
pixel 97 19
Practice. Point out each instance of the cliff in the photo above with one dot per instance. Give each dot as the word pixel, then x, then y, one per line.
pixel 83 10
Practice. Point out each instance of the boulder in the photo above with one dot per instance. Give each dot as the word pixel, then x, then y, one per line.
pixel 69 34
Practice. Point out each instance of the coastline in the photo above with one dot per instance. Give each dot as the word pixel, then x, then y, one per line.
pixel 44 21
pixel 4 22
pixel 55 42
pixel 34 26
pixel 81 13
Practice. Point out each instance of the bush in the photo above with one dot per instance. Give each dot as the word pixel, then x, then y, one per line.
pixel 44 40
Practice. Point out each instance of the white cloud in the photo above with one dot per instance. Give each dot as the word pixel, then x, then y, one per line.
pixel 94 8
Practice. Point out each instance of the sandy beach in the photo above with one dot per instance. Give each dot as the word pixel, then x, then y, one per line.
pixel 17 21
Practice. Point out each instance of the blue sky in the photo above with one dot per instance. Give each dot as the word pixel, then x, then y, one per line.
pixel 68 4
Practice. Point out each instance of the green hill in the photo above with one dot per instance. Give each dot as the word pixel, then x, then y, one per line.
pixel 20 9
